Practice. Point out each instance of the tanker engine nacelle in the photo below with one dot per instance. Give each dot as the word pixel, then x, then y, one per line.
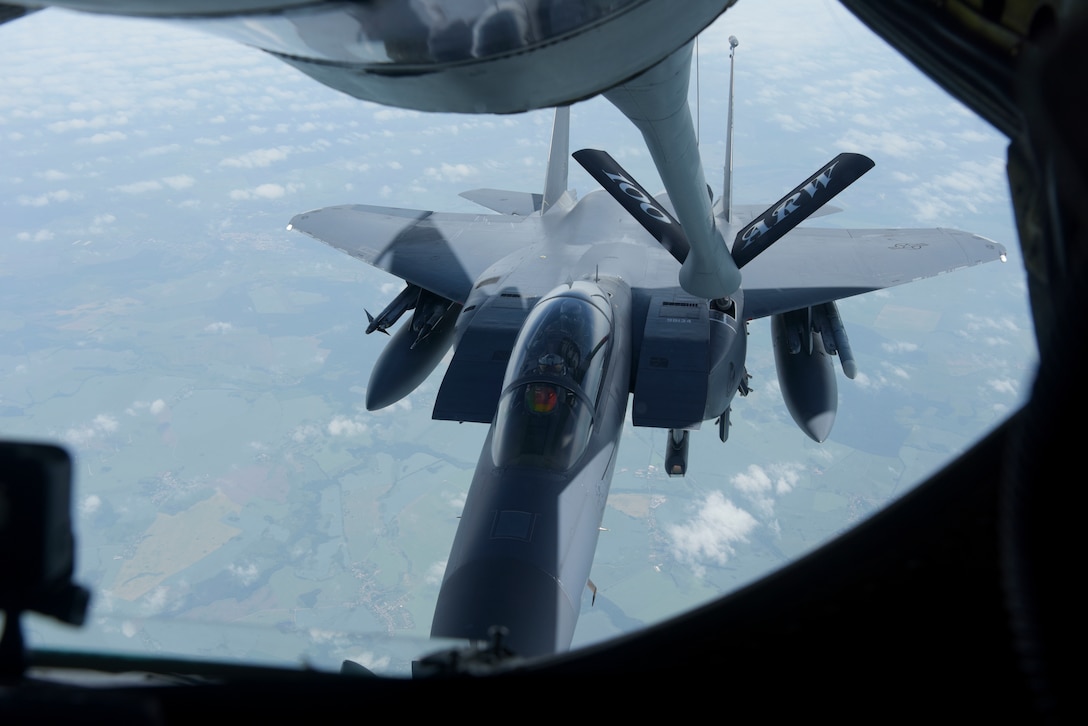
pixel 804 341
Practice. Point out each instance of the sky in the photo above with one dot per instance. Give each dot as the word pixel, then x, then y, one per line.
pixel 207 368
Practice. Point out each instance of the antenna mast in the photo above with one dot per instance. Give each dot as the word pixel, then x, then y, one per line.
pixel 727 185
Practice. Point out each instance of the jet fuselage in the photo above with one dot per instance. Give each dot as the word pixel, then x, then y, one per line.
pixel 525 543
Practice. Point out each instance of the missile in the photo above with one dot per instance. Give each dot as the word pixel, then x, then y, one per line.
pixel 404 301
pixel 797 330
pixel 833 332
pixel 429 313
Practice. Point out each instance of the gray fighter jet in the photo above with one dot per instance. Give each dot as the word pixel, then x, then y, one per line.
pixel 561 310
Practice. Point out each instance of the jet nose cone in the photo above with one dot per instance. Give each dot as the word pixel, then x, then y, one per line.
pixel 818 427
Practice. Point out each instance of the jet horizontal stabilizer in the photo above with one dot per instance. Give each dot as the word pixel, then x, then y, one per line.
pixel 518 204
pixel 636 200
pixel 799 204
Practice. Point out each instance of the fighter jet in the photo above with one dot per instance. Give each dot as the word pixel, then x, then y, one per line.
pixel 561 311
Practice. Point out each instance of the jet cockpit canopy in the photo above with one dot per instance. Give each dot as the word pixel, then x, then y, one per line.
pixel 553 380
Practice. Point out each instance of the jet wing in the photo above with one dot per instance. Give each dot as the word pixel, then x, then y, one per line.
pixel 810 265
pixel 444 253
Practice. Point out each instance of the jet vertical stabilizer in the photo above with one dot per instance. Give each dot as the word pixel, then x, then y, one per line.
pixel 556 193
pixel 656 102
pixel 555 182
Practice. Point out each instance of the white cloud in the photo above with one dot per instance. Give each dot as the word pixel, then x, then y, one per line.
pixel 97 122
pixel 973 136
pixel 779 478
pixel 979 322
pixel 182 181
pixel 258 158
pixel 105 138
pixel 971 186
pixel 90 505
pixel 217 327
pixel 372 662
pixel 321 635
pixel 759 484
pixel 42 235
pixel 1004 385
pixel 102 425
pixel 140 187
pixel 344 426
pixel 457 501
pixel 355 166
pixel 246 574
pixel 435 573
pixel 394 114
pixel 155 601
pixel 990 331
pixel 304 433
pixel 875 382
pixel 708 538
pixel 61 195
pixel 265 191
pixel 897 371
pixel 269 191
pixel 404 404
pixel 888 143
pixel 899 347
pixel 450 172
pixel 105 423
pixel 157 406
pixel 160 150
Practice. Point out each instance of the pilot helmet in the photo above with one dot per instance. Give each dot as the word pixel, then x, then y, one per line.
pixel 551 363
pixel 541 398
